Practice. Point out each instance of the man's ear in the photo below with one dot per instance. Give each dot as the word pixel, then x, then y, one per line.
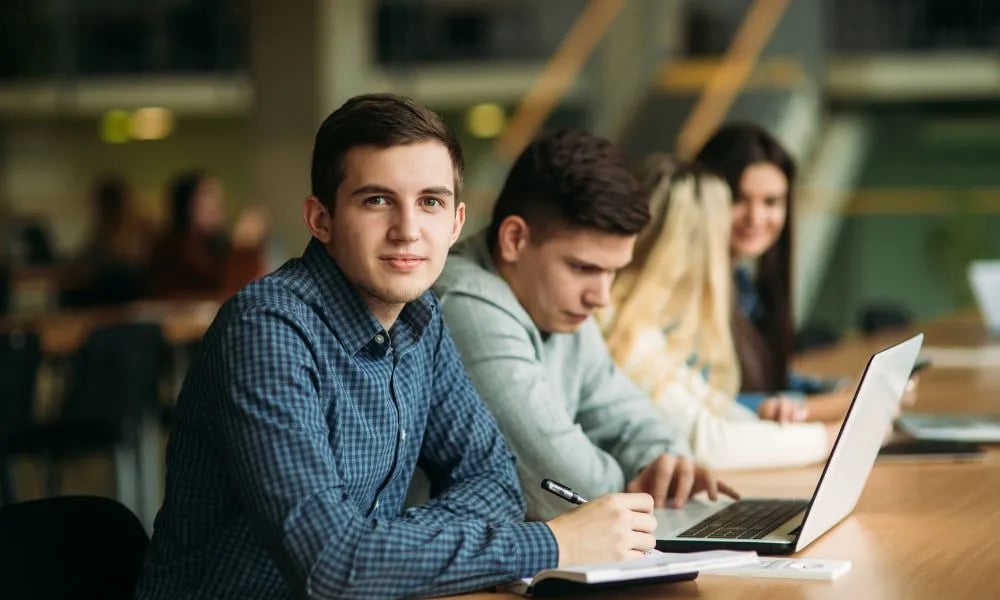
pixel 513 236
pixel 317 218
pixel 456 228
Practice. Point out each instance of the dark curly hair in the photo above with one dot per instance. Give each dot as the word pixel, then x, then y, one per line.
pixel 382 120
pixel 573 178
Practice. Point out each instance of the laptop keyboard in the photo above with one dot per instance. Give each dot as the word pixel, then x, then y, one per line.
pixel 746 519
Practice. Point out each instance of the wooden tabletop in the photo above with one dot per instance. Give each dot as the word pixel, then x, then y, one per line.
pixel 921 530
pixel 62 332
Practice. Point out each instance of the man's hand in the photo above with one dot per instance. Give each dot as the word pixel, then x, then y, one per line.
pixel 609 529
pixel 782 409
pixel 678 478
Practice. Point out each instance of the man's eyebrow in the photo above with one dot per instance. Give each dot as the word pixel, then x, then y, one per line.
pixel 589 265
pixel 438 191
pixel 372 188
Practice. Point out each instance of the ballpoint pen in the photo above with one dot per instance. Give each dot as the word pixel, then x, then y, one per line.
pixel 554 487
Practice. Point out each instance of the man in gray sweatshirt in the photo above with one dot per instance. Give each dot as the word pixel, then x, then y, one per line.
pixel 518 298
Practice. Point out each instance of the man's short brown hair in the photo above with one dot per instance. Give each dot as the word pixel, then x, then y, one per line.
pixel 382 120
pixel 571 177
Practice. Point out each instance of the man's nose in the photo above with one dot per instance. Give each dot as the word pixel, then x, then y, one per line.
pixel 599 294
pixel 405 226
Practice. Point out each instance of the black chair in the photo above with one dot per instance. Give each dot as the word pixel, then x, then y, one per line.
pixel 883 316
pixel 4 287
pixel 813 336
pixel 70 547
pixel 20 356
pixel 113 383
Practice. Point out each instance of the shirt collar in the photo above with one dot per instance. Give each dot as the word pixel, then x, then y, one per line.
pixel 352 321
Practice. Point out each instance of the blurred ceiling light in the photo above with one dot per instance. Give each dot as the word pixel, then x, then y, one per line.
pixel 151 123
pixel 114 126
pixel 486 120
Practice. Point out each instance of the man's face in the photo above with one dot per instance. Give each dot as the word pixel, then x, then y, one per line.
pixel 395 218
pixel 563 279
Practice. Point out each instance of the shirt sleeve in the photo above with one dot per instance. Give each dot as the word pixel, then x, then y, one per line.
pixel 732 437
pixel 470 468
pixel 617 414
pixel 751 400
pixel 806 385
pixel 530 407
pixel 273 437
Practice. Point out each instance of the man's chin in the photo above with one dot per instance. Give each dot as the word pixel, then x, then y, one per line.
pixel 398 296
pixel 563 327
pixel 399 293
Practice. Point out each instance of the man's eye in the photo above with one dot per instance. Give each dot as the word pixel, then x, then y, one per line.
pixel 377 200
pixel 432 202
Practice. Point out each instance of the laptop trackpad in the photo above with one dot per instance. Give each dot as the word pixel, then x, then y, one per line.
pixel 672 521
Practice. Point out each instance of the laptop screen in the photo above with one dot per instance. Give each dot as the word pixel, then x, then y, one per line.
pixel 868 421
pixel 984 278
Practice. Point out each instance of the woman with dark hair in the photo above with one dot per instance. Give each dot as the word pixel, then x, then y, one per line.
pixel 197 256
pixel 112 266
pixel 761 175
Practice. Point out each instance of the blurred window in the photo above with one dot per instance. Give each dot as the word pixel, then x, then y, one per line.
pixel 448 31
pixel 913 25
pixel 66 38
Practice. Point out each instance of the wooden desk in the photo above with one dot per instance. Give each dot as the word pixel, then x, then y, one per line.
pixel 926 530
pixel 63 332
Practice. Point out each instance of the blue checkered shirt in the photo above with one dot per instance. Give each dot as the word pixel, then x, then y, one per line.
pixel 298 429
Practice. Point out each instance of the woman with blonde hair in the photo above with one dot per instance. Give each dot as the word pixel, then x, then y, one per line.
pixel 668 327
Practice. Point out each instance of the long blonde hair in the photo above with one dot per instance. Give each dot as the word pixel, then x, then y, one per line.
pixel 679 281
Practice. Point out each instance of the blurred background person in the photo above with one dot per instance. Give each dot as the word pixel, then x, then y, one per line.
pixel 668 327
pixel 112 267
pixel 761 177
pixel 197 256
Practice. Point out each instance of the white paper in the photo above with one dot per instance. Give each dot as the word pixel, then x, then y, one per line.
pixel 789 568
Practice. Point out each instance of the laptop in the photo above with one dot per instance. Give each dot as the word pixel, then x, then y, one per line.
pixel 981 428
pixel 984 279
pixel 783 525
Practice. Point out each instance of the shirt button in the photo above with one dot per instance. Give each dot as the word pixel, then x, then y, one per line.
pixel 380 339
pixel 402 434
pixel 376 505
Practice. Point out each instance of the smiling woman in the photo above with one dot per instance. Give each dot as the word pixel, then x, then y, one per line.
pixel 761 177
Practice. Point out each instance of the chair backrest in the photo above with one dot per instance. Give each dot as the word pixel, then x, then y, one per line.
pixel 70 547
pixel 877 317
pixel 20 356
pixel 114 376
pixel 4 286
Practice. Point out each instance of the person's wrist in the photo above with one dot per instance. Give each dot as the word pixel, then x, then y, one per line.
pixel 563 557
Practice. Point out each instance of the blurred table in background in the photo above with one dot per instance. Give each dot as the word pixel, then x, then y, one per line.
pixel 61 332
pixel 920 530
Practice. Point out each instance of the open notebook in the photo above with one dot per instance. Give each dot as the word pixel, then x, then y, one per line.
pixel 656 567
